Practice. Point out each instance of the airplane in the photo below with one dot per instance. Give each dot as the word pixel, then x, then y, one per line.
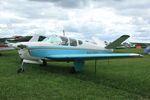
pixel 63 48
pixel 146 45
pixel 16 39
pixel 5 47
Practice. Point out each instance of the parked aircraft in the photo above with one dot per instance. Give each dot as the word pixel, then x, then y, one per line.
pixel 146 45
pixel 4 46
pixel 62 48
pixel 8 43
pixel 16 39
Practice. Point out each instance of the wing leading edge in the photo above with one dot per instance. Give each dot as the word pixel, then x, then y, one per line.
pixel 88 56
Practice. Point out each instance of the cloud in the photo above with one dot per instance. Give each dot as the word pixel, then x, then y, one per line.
pixel 67 3
pixel 80 18
pixel 34 10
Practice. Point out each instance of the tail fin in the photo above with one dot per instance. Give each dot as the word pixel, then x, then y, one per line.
pixel 117 42
pixel 34 38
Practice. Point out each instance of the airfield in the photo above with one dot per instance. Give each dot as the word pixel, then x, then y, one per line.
pixel 115 79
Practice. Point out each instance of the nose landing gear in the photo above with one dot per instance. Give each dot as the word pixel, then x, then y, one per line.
pixel 21 69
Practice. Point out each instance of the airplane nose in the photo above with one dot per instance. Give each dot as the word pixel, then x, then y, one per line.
pixel 19 46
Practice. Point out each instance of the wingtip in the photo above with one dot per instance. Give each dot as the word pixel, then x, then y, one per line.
pixel 134 54
pixel 126 35
pixel 140 55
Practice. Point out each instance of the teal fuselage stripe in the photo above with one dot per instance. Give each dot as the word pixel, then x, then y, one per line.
pixel 44 51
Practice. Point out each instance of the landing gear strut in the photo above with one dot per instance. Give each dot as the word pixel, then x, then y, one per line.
pixel 21 69
pixel 44 63
pixel 73 71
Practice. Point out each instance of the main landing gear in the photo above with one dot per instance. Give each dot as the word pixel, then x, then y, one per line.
pixel 44 63
pixel 78 65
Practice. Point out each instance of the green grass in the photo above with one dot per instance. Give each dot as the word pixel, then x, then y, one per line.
pixel 116 79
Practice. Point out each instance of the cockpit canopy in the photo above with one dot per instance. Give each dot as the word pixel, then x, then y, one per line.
pixel 62 40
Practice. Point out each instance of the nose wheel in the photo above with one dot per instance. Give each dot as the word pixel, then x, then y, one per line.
pixel 20 70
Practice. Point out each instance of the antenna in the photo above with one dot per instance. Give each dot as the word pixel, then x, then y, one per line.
pixel 63 32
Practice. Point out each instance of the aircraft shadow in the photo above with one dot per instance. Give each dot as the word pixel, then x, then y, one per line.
pixel 84 75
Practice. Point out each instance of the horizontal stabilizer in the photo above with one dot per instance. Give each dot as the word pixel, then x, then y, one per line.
pixel 117 42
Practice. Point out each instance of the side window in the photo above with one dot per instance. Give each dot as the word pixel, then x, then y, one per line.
pixel 73 42
pixel 80 42
pixel 64 41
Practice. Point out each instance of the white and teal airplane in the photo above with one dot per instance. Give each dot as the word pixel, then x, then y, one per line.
pixel 62 48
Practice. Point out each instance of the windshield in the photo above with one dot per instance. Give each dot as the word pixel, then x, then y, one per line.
pixel 51 39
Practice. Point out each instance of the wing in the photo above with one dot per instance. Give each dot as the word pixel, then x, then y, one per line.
pixel 93 56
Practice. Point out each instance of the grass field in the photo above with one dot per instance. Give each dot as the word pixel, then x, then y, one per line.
pixel 116 79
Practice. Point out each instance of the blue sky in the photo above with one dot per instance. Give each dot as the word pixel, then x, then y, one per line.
pixel 103 19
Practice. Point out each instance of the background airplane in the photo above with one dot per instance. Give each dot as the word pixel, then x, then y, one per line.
pixel 7 43
pixel 62 48
pixel 16 39
pixel 4 45
pixel 145 45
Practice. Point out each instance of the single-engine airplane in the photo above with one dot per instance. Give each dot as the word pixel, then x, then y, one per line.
pixel 62 48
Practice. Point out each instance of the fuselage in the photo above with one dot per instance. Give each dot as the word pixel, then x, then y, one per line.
pixel 58 45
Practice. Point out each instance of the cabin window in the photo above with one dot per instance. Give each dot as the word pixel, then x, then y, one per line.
pixel 80 42
pixel 64 41
pixel 73 42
